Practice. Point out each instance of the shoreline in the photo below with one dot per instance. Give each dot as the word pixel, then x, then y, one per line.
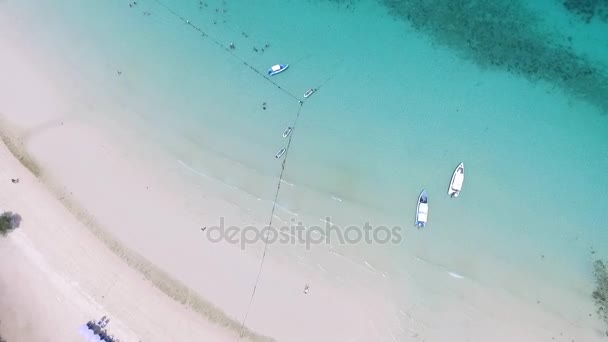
pixel 52 255
pixel 173 241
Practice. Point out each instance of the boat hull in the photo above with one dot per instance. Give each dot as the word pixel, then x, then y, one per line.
pixel 309 92
pixel 282 67
pixel 422 210
pixel 287 132
pixel 280 153
pixel 457 181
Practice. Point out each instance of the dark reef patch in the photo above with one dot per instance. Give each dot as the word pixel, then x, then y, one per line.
pixel 587 10
pixel 600 295
pixel 506 35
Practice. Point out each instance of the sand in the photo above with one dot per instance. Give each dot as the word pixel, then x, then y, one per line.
pixel 56 275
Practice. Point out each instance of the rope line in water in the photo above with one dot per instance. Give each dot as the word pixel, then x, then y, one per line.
pixel 283 164
pixel 218 43
pixel 274 205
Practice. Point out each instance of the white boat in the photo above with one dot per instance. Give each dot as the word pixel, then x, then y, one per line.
pixel 287 132
pixel 457 181
pixel 280 153
pixel 277 69
pixel 422 210
pixel 309 92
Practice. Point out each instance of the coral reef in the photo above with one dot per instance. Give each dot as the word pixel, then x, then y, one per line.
pixel 587 10
pixel 506 35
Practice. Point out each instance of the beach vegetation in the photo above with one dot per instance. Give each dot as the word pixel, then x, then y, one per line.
pixel 9 221
pixel 16 146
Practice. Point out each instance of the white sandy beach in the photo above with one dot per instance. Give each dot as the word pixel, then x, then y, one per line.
pixel 56 275
pixel 108 231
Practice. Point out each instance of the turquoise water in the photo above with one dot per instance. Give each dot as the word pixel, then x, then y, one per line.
pixel 400 103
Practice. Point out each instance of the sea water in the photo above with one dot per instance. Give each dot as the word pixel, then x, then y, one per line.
pixel 402 99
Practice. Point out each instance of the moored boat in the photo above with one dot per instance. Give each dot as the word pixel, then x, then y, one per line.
pixel 280 153
pixel 287 132
pixel 277 69
pixel 456 181
pixel 309 92
pixel 422 210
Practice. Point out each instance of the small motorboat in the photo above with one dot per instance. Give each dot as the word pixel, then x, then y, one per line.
pixel 280 153
pixel 277 69
pixel 422 210
pixel 457 180
pixel 309 92
pixel 287 132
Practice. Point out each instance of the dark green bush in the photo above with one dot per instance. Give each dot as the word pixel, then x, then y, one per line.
pixel 8 222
